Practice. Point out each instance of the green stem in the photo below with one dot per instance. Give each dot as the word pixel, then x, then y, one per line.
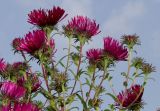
pixel 103 78
pixel 69 50
pixel 78 68
pixel 45 78
pixel 63 91
pixel 129 66
pixel 134 79
pixel 92 84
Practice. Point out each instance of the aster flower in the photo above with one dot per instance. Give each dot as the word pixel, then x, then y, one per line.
pixel 115 49
pixel 43 18
pixel 32 42
pixel 131 98
pixel 94 55
pixel 3 65
pixel 12 91
pixel 25 107
pixel 82 27
pixel 58 80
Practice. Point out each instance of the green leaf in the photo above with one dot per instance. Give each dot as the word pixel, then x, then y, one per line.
pixel 75 58
pixel 60 60
pixel 124 74
pixel 112 96
pixel 74 108
pixel 90 69
pixel 77 48
pixel 70 99
pixel 62 64
pixel 107 110
pixel 110 78
pixel 82 101
pixel 79 73
pixel 125 84
pixel 87 81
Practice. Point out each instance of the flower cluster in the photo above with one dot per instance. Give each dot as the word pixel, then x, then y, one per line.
pixel 113 50
pixel 62 82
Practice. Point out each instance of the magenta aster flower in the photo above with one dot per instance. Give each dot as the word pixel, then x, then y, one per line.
pixel 32 42
pixel 25 107
pixel 44 18
pixel 94 55
pixel 131 98
pixel 82 26
pixel 115 49
pixel 12 90
pixel 3 65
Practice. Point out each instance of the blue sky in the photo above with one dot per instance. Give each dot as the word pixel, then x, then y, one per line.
pixel 116 17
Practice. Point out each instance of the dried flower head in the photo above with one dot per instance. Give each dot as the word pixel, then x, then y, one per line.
pixel 95 102
pixel 147 68
pixel 137 62
pixel 20 66
pixel 43 18
pixel 15 44
pixel 59 80
pixel 114 49
pixel 130 40
pixel 81 27
pixel 32 80
pixel 131 98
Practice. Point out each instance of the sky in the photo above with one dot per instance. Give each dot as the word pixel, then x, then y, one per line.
pixel 116 18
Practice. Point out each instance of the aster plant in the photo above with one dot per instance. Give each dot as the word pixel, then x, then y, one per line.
pixel 77 81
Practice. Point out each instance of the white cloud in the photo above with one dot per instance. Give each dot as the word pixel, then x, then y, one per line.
pixel 78 7
pixel 32 4
pixel 121 20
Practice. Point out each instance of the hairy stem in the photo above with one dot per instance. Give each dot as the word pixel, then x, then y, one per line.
pixel 69 50
pixel 78 67
pixel 129 65
pixel 45 78
pixel 103 78
pixel 93 81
